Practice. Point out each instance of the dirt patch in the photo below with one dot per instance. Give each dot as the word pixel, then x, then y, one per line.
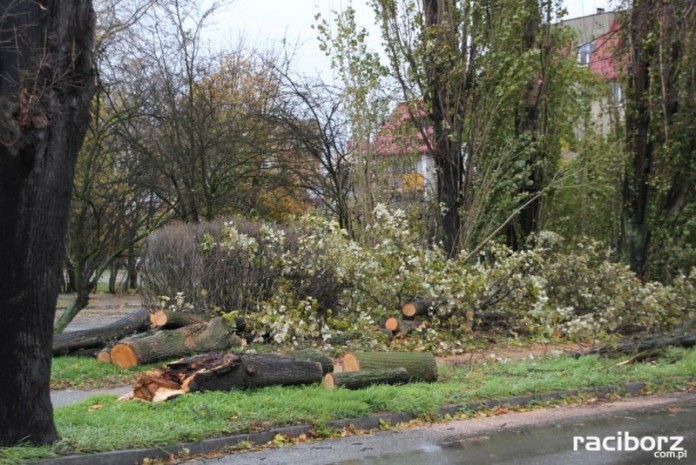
pixel 502 353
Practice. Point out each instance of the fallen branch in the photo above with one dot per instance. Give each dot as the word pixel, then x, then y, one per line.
pixel 679 337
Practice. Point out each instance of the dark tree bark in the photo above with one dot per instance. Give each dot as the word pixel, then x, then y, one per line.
pixel 635 235
pixel 446 110
pixel 45 91
pixel 528 128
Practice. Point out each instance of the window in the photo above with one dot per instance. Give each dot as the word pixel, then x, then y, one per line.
pixel 616 93
pixel 585 53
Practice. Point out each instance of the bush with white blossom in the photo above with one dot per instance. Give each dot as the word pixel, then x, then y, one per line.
pixel 313 284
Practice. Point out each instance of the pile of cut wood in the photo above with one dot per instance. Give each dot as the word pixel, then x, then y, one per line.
pixel 415 317
pixel 142 337
pixel 219 371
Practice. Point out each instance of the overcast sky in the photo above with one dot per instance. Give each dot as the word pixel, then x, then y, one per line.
pixel 264 23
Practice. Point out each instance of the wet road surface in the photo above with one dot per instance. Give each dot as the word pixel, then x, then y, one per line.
pixel 543 437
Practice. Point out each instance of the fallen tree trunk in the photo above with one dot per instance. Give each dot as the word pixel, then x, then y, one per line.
pixel 215 335
pixel 679 337
pixel 224 372
pixel 420 366
pixel 365 378
pixel 135 321
pixel 258 370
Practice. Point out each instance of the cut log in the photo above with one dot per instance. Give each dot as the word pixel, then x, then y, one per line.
pixel 218 371
pixel 398 326
pixel 168 319
pixel 420 366
pixel 104 356
pixel 66 343
pixel 215 335
pixel 417 308
pixel 313 355
pixel 365 378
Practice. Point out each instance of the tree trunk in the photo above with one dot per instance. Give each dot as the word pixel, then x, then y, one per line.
pixel 202 337
pixel 69 314
pixel 633 243
pixel 113 276
pixel 135 321
pixel 365 378
pixel 446 108
pixel 527 128
pixel 421 366
pixel 132 269
pixel 45 91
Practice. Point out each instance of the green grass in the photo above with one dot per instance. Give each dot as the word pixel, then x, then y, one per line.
pixel 101 423
pixel 87 373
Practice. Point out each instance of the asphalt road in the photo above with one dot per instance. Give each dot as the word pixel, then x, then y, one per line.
pixel 542 437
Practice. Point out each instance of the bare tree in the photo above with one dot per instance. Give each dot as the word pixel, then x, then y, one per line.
pixel 312 132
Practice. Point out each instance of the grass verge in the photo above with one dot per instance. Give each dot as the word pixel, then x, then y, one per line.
pixel 86 373
pixel 101 423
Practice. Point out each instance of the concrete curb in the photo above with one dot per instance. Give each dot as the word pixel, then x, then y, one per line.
pixel 136 456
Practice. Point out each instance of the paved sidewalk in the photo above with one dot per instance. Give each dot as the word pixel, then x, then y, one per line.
pixel 63 397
